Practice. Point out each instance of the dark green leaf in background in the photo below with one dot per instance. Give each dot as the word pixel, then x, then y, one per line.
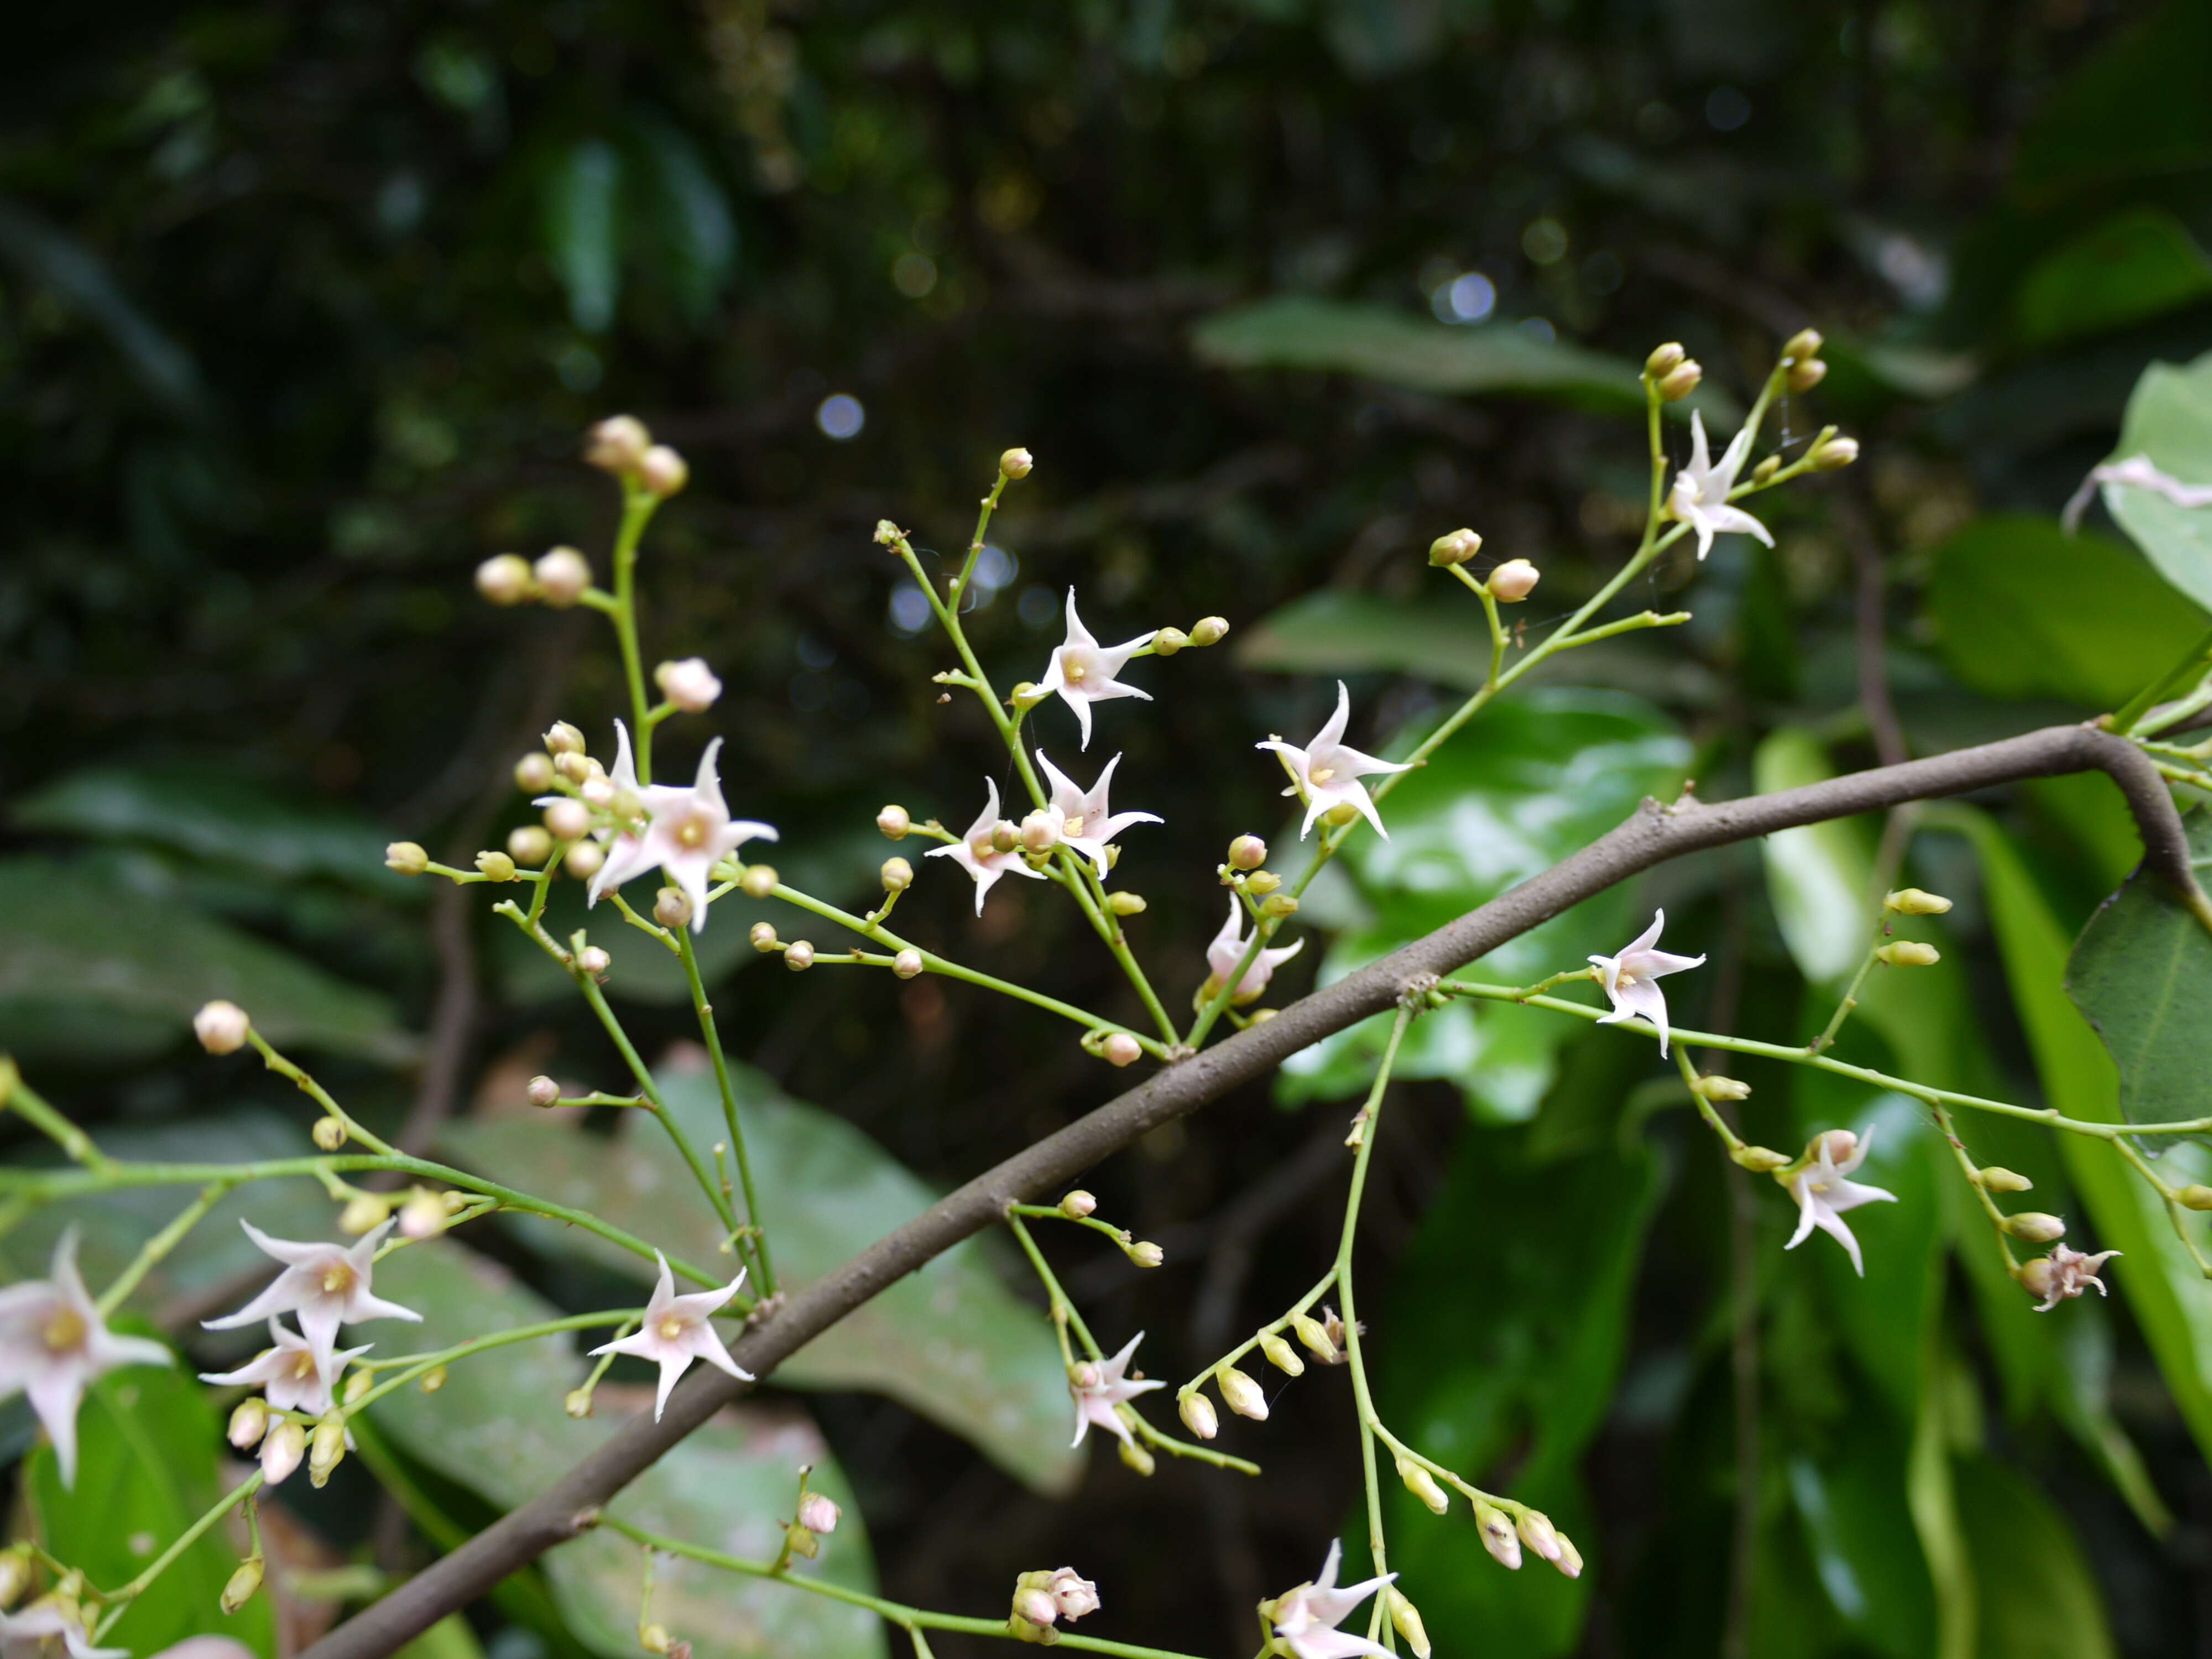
pixel 583 221
pixel 2170 421
pixel 2137 263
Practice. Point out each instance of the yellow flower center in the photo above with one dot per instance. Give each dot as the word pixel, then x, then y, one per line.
pixel 1321 774
pixel 1076 670
pixel 1072 827
pixel 672 1329
pixel 303 1365
pixel 64 1329
pixel 337 1278
pixel 692 830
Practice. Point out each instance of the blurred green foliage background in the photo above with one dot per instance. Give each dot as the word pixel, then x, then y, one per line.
pixel 304 308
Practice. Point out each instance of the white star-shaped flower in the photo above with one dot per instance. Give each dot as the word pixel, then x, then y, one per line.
pixel 1099 1385
pixel 1823 1192
pixel 1628 978
pixel 1306 1618
pixel 1329 772
pixel 1228 949
pixel 27 1632
pixel 53 1343
pixel 687 833
pixel 1700 497
pixel 676 1331
pixel 296 1376
pixel 973 852
pixel 326 1285
pixel 1084 821
pixel 1082 670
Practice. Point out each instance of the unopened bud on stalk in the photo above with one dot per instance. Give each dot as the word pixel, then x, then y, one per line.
pixel 758 881
pixel 1423 1485
pixel 1681 380
pixel 1240 1394
pixel 564 575
pixel 1039 833
pixel 1908 953
pixel 432 1380
pixel 897 875
pixel 1278 905
pixel 1716 1087
pixel 243 1584
pixel 1126 904
pixel 577 1402
pixel 529 843
pixel 1407 1620
pixel 281 1451
pixel 505 579
pixel 1832 454
pixel 1537 1533
pixel 1261 883
pixel 654 1638
pixel 1004 836
pixel 423 1214
pixel 1803 346
pixel 1498 1536
pixel 663 471
pixel 363 1212
pixel 2035 1226
pixel 617 444
pixel 1455 547
pixel 1803 377
pixel 326 1449
pixel 1765 471
pixel 1033 1613
pixel 408 857
pixel 1138 1458
pixel 1121 1049
pixel 817 1513
pixel 1513 581
pixel 1663 360
pixel 1993 1178
pixel 583 860
pixel 1310 1332
pixel 594 961
pixel 798 956
pixel 562 739
pixel 894 822
pixel 1247 852
pixel 221 1027
pixel 2195 1197
pixel 1282 1355
pixel 542 1090
pixel 1912 902
pixel 1169 640
pixel 248 1423
pixel 1145 1253
pixel 534 774
pixel 1209 630
pixel 1337 817
pixel 329 1132
pixel 1570 1560
pixel 1198 1415
pixel 1078 1205
pixel 764 937
pixel 1026 695
pixel 690 684
pixel 495 864
pixel 578 769
pixel 568 820
pixel 1761 1160
pixel 907 963
pixel 1017 463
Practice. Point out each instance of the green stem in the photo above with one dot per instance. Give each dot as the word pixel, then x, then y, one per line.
pixel 160 1245
pixel 2199 656
pixel 651 1090
pixel 18 1097
pixel 412 1366
pixel 638 504
pixel 706 1012
pixel 117 1602
pixel 1826 1040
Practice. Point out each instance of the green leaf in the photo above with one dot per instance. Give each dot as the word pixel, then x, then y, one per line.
pixel 90 981
pixel 951 1340
pixel 1534 778
pixel 2020 609
pixel 2137 263
pixel 583 230
pixel 2169 419
pixel 147 1446
pixel 690 222
pixel 2050 1611
pixel 2131 110
pixel 498 1427
pixel 1819 875
pixel 2142 976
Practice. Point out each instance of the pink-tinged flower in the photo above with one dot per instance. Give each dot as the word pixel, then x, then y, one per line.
pixel 53 1343
pixel 690 684
pixel 1082 670
pixel 687 833
pixel 1100 1385
pixel 1086 822
pixel 2065 1273
pixel 1306 1618
pixel 1329 772
pixel 326 1285
pixel 1073 1596
pixel 973 852
pixel 294 1376
pixel 1628 978
pixel 676 1331
pixel 1227 950
pixel 1824 1193
pixel 1700 497
pixel 28 1631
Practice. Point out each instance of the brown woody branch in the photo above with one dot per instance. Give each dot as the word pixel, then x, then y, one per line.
pixel 1654 835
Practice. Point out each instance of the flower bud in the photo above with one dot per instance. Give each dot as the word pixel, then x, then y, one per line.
pixel 1126 904
pixel 1912 901
pixel 1337 817
pixel 1240 1394
pixel 1803 377
pixel 1513 581
pixel 1138 1458
pixel 1121 1050
pixel 758 881
pixel 1663 361
pixel 1456 547
pixel 407 857
pixel 583 860
pixel 1278 905
pixel 534 774
pixel 1145 1253
pixel 1423 1485
pixel 1803 346
pixel 897 875
pixel 221 1027
pixel 1995 1179
pixel 798 956
pixel 1282 1355
pixel 1536 1531
pixel 894 822
pixel 564 575
pixel 1496 1529
pixel 764 937
pixel 1765 471
pixel 542 1090
pixel 1198 1415
pixel 1676 385
pixel 690 684
pixel 1078 1205
pixel 578 768
pixel 363 1212
pixel 1261 883
pixel 817 1513
pixel 423 1214
pixel 1004 836
pixel 1017 463
pixel 1026 695
pixel 432 1380
pixel 617 444
pixel 1073 1593
pixel 248 1423
pixel 1169 640
pixel 1034 1612
pixel 1310 1332
pixel 243 1584
pixel 1247 852
pixel 329 1132
pixel 1908 953
pixel 562 739
pixel 326 1449
pixel 1834 454
pixel 594 961
pixel 1570 1560
pixel 1763 1160
pixel 1716 1087
pixel 1209 630
pixel 671 907
pixel 654 1638
pixel 2038 1277
pixel 505 579
pixel 2035 1226
pixel 663 471
pixel 281 1451
pixel 2195 1197
pixel 495 866
pixel 1040 833
pixel 1407 1620
pixel 568 820
pixel 907 963
pixel 529 843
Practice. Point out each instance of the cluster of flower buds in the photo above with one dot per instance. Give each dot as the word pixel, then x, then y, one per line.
pixel 1043 1598
pixel 1206 630
pixel 560 577
pixel 1801 354
pixel 1509 584
pixel 1673 372
pixel 621 445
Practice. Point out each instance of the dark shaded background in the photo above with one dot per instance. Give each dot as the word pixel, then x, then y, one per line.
pixel 303 308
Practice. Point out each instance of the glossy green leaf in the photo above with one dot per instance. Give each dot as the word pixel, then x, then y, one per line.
pixel 451 1637
pixel 498 1428
pixel 1534 778
pixel 90 981
pixel 2020 609
pixel 583 229
pixel 2137 263
pixel 2054 1610
pixel 951 1340
pixel 148 1442
pixel 2169 420
pixel 2142 976
pixel 1819 875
